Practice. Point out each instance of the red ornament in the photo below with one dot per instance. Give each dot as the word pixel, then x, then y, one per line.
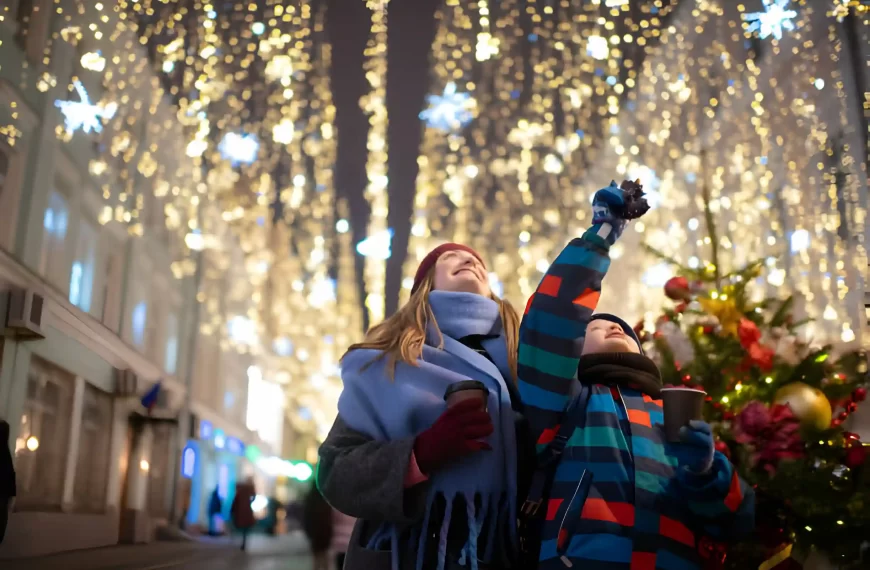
pixel 859 394
pixel 681 308
pixel 851 407
pixel 843 416
pixel 855 456
pixel 708 329
pixel 748 333
pixel 687 378
pixel 723 448
pixel 836 422
pixel 761 356
pixel 677 289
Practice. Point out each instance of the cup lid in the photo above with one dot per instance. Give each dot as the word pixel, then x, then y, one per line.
pixel 682 389
pixel 464 385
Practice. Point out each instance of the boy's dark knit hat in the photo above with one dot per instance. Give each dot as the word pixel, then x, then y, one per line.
pixel 626 328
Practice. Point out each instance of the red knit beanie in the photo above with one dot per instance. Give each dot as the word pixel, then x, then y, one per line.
pixel 430 259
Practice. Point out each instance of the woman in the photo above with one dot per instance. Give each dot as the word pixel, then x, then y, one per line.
pixel 434 488
pixel 241 511
pixel 7 479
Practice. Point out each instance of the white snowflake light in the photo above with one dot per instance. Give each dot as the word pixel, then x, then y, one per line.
pixel 83 114
pixel 450 110
pixel 773 20
pixel 239 149
pixel 377 245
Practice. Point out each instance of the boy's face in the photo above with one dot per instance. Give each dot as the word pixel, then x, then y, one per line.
pixel 605 336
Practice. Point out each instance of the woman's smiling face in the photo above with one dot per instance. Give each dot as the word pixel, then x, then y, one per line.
pixel 462 272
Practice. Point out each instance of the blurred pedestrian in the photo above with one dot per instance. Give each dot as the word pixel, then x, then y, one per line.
pixel 241 511
pixel 215 506
pixel 7 479
pixel 317 525
pixel 342 529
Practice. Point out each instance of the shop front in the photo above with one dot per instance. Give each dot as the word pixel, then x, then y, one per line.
pixel 212 461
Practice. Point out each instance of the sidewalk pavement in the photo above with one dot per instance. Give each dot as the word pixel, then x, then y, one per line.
pixel 288 552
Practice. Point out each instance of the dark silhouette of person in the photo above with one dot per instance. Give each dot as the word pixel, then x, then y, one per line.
pixel 7 478
pixel 214 510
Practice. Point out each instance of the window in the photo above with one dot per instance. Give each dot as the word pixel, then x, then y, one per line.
pixel 52 262
pixel 138 322
pixel 139 314
pixel 92 464
pixel 171 356
pixel 81 283
pixel 43 440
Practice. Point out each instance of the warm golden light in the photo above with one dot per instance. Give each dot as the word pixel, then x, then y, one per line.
pixel 32 443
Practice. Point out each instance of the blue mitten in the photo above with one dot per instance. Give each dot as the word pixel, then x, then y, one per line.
pixel 695 450
pixel 606 205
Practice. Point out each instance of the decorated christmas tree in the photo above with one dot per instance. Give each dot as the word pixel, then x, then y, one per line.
pixel 778 404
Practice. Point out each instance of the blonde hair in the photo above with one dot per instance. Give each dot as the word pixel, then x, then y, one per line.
pixel 400 338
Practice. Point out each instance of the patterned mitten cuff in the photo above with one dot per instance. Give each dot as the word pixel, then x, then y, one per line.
pixel 606 207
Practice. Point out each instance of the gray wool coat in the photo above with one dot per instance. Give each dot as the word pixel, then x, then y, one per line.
pixel 365 478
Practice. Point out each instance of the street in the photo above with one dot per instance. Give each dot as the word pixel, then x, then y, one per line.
pixel 287 552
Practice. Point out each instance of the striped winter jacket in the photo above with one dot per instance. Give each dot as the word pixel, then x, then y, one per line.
pixel 640 513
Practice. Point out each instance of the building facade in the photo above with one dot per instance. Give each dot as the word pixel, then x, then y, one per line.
pixel 126 308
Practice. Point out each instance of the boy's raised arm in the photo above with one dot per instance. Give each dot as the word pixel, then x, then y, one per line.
pixel 556 315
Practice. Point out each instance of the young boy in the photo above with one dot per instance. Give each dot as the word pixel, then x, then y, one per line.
pixel 621 498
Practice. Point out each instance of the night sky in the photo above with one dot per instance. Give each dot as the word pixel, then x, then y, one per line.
pixel 411 31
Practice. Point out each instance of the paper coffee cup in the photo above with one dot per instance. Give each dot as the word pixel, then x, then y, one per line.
pixel 466 390
pixel 681 405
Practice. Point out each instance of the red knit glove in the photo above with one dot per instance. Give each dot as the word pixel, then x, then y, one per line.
pixel 454 434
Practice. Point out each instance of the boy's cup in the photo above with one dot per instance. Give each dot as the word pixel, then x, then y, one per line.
pixel 681 405
pixel 466 390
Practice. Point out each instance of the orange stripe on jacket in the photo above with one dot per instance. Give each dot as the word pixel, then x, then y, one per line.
pixel 588 299
pixel 548 435
pixel 676 530
pixel 601 510
pixel 735 493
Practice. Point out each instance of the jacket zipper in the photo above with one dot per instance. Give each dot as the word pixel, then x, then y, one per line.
pixel 571 518
pixel 627 439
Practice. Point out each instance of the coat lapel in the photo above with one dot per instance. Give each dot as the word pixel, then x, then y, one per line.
pixel 473 358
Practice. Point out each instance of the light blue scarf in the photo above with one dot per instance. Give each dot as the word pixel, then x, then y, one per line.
pixel 388 409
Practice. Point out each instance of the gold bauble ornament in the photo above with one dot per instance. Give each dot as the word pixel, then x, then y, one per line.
pixel 808 404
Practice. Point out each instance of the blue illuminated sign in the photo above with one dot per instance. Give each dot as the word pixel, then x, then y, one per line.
pixel 188 462
pixel 220 440
pixel 235 446
pixel 206 429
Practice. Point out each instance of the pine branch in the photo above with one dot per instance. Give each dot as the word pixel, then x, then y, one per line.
pixel 694 274
pixel 781 315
